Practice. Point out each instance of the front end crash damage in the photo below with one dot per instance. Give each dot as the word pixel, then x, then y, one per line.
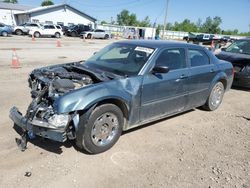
pixel 41 118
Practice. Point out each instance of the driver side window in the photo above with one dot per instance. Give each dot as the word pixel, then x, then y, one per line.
pixel 172 58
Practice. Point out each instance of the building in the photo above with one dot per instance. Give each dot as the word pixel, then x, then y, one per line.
pixel 8 11
pixel 62 14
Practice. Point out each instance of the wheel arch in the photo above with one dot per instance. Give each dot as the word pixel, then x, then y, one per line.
pixel 37 32
pixel 221 77
pixel 119 103
pixel 224 82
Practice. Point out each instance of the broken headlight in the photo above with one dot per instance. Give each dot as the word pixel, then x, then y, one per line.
pixel 59 121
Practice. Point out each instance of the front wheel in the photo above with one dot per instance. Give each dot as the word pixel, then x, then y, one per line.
pixel 102 129
pixel 4 34
pixel 215 98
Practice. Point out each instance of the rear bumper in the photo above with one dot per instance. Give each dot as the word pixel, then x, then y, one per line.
pixel 27 126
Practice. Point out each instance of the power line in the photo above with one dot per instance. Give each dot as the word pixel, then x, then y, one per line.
pixel 101 6
pixel 165 19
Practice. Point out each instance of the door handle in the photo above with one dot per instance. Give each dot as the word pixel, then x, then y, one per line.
pixel 212 70
pixel 183 76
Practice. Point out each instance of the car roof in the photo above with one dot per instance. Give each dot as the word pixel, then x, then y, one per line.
pixel 159 43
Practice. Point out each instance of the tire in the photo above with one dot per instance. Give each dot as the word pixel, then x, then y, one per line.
pixel 101 130
pixel 73 34
pixel 19 32
pixel 89 36
pixel 215 98
pixel 37 34
pixel 57 35
pixel 106 36
pixel 4 34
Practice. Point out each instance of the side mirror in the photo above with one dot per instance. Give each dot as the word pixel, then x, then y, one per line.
pixel 160 69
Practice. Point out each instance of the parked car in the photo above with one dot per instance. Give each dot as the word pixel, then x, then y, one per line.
pixel 25 28
pixel 205 39
pixel 76 30
pixel 124 85
pixel 64 29
pixel 98 33
pixel 5 30
pixel 238 53
pixel 190 37
pixel 46 30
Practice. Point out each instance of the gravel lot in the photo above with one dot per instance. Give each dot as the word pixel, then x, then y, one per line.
pixel 194 149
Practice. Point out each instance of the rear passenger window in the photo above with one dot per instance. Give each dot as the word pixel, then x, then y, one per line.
pixel 198 58
pixel 172 58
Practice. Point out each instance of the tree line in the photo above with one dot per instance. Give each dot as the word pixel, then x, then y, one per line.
pixel 43 3
pixel 210 25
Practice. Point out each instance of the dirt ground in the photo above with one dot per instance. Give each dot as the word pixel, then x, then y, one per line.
pixel 194 149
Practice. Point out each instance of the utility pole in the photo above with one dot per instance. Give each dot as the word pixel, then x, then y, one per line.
pixel 165 19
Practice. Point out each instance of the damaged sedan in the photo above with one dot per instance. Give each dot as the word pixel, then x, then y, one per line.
pixel 238 53
pixel 124 85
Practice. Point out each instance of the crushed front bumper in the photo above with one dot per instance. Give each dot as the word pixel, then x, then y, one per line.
pixel 31 129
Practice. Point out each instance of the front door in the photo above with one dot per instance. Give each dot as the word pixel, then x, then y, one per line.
pixel 165 93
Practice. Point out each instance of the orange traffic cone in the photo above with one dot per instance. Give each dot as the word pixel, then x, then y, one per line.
pixel 15 61
pixel 33 38
pixel 58 43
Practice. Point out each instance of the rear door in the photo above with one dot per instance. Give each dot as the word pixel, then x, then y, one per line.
pixel 98 33
pixel 165 93
pixel 50 30
pixel 202 72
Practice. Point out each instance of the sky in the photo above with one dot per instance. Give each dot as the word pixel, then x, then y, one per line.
pixel 235 14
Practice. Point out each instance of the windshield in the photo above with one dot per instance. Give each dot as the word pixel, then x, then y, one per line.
pixel 121 59
pixel 240 46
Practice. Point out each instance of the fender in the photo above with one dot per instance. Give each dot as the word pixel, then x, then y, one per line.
pixel 220 76
pixel 125 90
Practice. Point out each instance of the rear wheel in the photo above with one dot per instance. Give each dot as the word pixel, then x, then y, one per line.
pixel 37 34
pixel 215 98
pixel 19 32
pixel 57 35
pixel 89 36
pixel 106 36
pixel 4 33
pixel 102 129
